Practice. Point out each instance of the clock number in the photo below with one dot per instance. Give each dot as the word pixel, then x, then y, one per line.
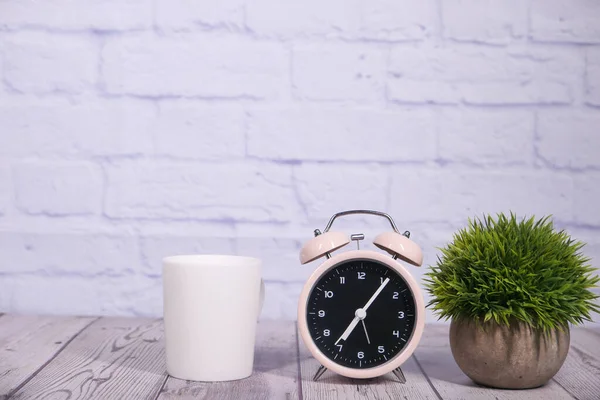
pixel 382 279
pixel 321 313
pixel 381 349
pixel 361 355
pixel 342 280
pixel 396 333
pixel 326 332
pixel 361 275
pixel 401 314
pixel 328 294
pixel 340 346
pixel 396 294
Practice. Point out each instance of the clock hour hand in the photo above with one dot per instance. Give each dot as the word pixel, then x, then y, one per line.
pixel 359 315
pixel 349 329
pixel 365 328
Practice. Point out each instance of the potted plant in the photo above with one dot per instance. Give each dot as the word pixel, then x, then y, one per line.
pixel 511 287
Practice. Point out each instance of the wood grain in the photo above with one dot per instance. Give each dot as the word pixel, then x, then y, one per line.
pixel 275 366
pixel 435 357
pixel 113 358
pixel 28 342
pixel 332 386
pixel 580 374
pixel 123 358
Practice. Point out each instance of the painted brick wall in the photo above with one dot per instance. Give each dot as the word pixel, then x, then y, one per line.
pixel 132 130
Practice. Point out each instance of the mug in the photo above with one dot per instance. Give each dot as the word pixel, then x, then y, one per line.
pixel 211 305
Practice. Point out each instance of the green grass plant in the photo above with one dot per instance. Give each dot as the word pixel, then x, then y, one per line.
pixel 506 268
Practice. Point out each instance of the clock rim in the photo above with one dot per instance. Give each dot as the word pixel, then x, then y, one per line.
pixel 391 364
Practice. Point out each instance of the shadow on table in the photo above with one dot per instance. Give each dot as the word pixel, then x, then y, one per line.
pixel 277 361
pixel 335 379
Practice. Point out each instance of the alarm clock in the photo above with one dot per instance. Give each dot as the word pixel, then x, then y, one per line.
pixel 361 313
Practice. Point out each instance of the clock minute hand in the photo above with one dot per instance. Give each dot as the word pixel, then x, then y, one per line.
pixel 379 290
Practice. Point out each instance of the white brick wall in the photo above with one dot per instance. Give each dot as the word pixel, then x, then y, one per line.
pixel 132 130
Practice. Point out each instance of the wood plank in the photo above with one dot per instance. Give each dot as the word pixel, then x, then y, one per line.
pixel 435 357
pixel 331 386
pixel 113 358
pixel 275 366
pixel 580 373
pixel 28 342
pixel 586 340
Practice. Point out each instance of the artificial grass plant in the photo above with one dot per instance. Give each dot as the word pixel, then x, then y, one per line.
pixel 507 268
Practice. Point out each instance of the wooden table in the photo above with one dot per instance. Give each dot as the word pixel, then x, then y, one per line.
pixel 123 358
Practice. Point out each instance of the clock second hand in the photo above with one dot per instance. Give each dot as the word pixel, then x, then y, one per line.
pixel 361 313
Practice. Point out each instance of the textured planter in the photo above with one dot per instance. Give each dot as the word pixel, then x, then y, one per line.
pixel 515 357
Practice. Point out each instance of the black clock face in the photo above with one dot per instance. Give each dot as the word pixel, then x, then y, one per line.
pixel 361 313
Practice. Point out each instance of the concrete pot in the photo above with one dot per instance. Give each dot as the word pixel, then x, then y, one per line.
pixel 507 357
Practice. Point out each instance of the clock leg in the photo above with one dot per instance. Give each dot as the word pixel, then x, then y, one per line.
pixel 399 375
pixel 320 372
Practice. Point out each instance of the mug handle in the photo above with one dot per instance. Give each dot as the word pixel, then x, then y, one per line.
pixel 261 298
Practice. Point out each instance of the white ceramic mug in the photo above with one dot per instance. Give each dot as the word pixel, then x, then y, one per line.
pixel 211 308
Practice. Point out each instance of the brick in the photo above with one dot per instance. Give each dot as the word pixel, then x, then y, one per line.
pixel 569 138
pixel 486 137
pixel 156 247
pixel 341 133
pixel 339 72
pixel 190 14
pixel 325 189
pixel 307 18
pixel 554 93
pixel 223 192
pixel 38 62
pixel 487 21
pixel 149 65
pixel 279 256
pixel 67 295
pixel 381 20
pixel 389 19
pixel 453 195
pixel 592 77
pixel 58 188
pixel 68 253
pixel 565 21
pixel 5 187
pixel 483 75
pixel 70 15
pixel 585 204
pixel 88 128
pixel 195 131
